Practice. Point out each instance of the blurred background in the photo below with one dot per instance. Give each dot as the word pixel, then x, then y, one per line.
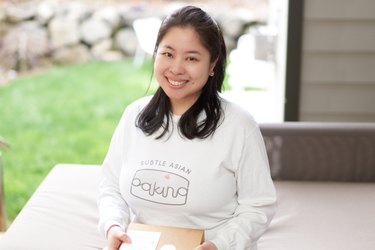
pixel 36 35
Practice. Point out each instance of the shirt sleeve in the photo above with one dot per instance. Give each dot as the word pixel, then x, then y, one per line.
pixel 256 198
pixel 113 210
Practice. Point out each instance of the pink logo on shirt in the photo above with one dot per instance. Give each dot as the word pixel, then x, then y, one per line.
pixel 160 187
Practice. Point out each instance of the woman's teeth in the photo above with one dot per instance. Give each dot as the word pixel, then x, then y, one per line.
pixel 175 83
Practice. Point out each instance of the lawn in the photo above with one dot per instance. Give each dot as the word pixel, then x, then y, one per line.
pixel 64 115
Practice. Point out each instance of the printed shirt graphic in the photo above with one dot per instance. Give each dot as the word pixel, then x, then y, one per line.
pixel 159 186
pixel 177 176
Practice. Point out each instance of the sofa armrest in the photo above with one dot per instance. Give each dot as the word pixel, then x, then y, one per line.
pixel 321 151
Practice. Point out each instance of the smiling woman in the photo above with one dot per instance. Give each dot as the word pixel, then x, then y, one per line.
pixel 227 190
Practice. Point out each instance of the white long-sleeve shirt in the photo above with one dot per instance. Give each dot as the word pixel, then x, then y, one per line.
pixel 221 184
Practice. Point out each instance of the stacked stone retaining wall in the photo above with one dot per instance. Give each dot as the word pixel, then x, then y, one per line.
pixel 41 33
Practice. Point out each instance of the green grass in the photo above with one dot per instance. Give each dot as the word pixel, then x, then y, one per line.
pixel 65 115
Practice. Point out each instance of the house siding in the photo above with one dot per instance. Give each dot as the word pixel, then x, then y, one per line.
pixel 338 61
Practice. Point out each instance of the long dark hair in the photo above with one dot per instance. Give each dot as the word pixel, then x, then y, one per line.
pixel 157 114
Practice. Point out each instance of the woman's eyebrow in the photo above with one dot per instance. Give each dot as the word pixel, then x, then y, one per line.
pixel 168 47
pixel 187 52
pixel 193 52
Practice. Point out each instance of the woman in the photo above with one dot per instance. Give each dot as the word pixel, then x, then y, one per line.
pixel 186 157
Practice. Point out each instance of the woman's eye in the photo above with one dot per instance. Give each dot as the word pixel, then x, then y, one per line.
pixel 192 59
pixel 167 54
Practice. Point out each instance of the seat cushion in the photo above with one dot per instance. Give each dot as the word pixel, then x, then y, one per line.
pixel 322 215
pixel 61 214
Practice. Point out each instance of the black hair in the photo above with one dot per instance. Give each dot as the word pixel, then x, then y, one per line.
pixel 157 114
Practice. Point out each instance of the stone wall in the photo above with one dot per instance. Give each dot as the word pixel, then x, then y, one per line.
pixel 42 33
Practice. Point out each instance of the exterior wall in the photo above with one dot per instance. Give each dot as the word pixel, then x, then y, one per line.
pixel 338 61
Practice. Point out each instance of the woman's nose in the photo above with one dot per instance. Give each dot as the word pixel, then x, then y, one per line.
pixel 177 67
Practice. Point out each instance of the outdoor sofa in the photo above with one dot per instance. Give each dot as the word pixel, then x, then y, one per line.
pixel 324 174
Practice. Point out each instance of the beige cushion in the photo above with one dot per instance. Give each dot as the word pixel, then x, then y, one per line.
pixel 62 214
pixel 322 216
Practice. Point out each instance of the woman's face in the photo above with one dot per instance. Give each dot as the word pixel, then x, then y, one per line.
pixel 182 67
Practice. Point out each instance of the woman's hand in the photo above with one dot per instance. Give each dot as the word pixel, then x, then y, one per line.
pixel 116 236
pixel 208 245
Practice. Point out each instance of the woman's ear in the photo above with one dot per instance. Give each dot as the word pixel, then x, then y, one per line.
pixel 212 65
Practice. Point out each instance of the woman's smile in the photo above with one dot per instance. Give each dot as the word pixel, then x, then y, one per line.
pixel 177 83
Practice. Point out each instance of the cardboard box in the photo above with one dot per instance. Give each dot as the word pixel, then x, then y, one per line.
pixel 181 238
